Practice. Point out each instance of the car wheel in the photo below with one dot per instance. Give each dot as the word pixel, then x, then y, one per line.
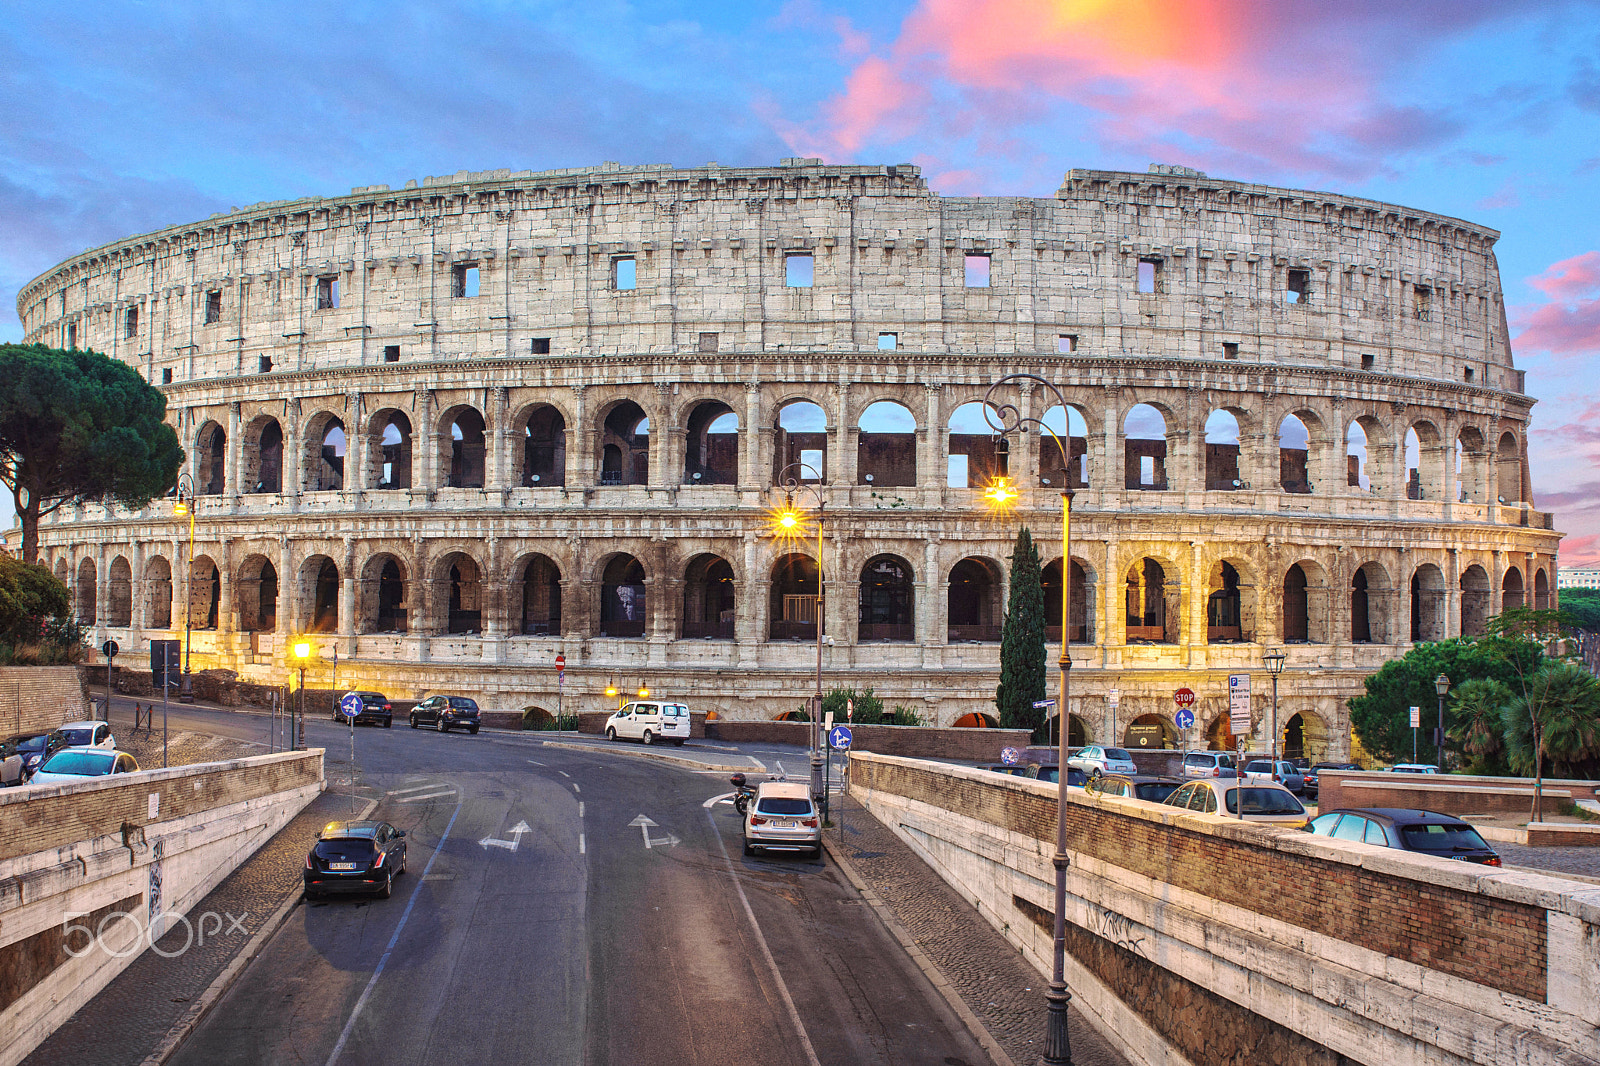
pixel 440 726
pixel 473 730
pixel 1094 773
pixel 413 721
pixel 678 741
pixel 748 850
pixel 388 887
pixel 402 860
pixel 611 733
pixel 388 723
pixel 648 738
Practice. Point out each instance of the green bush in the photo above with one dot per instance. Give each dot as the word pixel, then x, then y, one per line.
pixel 538 719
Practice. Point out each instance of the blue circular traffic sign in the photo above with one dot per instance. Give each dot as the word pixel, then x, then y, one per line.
pixel 350 706
pixel 839 737
pixel 1185 718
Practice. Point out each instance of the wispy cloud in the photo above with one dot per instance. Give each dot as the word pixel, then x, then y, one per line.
pixel 1569 323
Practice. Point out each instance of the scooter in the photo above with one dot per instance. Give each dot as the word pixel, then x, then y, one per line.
pixel 742 793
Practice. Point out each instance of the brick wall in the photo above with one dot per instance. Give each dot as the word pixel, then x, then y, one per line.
pixel 1455 794
pixel 44 817
pixel 39 698
pixel 1429 924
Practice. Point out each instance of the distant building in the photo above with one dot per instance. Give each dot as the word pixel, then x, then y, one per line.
pixel 1578 577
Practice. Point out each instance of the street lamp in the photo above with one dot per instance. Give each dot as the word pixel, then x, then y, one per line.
pixel 1441 685
pixel 1274 661
pixel 303 654
pixel 185 506
pixel 789 522
pixel 612 692
pixel 1057 1043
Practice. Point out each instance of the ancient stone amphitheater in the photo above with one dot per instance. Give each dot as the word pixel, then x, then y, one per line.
pixel 459 428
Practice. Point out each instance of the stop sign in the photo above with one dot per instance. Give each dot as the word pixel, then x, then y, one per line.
pixel 561 663
pixel 1184 697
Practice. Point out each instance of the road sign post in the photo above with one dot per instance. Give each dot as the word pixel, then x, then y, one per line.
pixel 1239 704
pixel 1416 720
pixel 350 707
pixel 109 649
pixel 1045 705
pixel 561 687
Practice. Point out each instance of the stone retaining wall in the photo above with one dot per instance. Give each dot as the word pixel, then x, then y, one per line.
pixel 39 698
pixel 1455 794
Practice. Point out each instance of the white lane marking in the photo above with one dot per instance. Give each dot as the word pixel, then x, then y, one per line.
pixel 535 762
pixel 408 791
pixel 645 824
pixel 772 964
pixel 575 787
pixel 429 796
pixel 580 808
pixel 366 993
pixel 563 773
pixel 580 844
pixel 758 762
pixel 726 797
pixel 510 845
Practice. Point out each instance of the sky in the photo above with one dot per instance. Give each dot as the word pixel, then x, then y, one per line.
pixel 123 117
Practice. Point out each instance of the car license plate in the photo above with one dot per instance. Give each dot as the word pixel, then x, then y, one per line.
pixel 783 825
pixel 341 866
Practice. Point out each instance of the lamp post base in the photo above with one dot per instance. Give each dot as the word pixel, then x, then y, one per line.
pixel 186 690
pixel 1057 1044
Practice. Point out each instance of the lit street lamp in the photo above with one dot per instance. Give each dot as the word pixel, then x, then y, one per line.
pixel 1057 1043
pixel 186 506
pixel 1441 685
pixel 788 522
pixel 304 653
pixel 1274 661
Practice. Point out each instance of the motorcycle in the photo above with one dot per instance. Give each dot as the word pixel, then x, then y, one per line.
pixel 742 793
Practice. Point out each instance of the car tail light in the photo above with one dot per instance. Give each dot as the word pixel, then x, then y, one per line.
pixel 387 707
pixel 381 856
pixel 309 864
pixel 757 820
pixel 1493 860
pixel 809 823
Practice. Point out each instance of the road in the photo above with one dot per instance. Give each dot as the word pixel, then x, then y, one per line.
pixel 574 941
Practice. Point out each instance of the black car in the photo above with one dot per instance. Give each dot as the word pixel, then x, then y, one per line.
pixel 32 749
pixel 445 713
pixel 1036 772
pixel 355 857
pixel 1426 832
pixel 375 708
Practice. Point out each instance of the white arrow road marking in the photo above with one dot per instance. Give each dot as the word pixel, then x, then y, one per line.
pixel 510 845
pixel 645 825
pixel 408 791
pixel 726 797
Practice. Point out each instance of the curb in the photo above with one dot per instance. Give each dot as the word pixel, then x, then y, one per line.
pixel 692 764
pixel 903 935
pixel 223 981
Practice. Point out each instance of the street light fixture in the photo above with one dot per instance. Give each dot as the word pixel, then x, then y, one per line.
pixel 612 692
pixel 1057 1042
pixel 1441 685
pixel 304 653
pixel 789 522
pixel 185 506
pixel 1274 661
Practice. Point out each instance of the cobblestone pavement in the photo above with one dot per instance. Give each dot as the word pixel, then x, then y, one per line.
pixel 183 748
pixel 133 1014
pixel 993 978
pixel 1585 862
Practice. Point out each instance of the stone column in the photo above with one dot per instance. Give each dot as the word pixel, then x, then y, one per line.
pixel 227 609
pixel 842 441
pixel 356 444
pixel 1401 632
pixel 666 466
pixel 294 459
pixel 1114 465
pixel 933 619
pixel 347 594
pixel 932 458
pixel 494 475
pixel 1113 597
pixel 1193 633
pixel 424 444
pixel 1452 593
pixel 234 456
pixel 580 458
pixel 288 589
pixel 755 438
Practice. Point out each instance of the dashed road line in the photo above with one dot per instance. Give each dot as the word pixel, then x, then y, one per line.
pixel 428 796
pixel 408 791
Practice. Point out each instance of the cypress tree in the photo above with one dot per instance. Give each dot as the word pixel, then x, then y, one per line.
pixel 1022 637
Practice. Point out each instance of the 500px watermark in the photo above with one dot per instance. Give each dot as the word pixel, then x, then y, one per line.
pixel 120 935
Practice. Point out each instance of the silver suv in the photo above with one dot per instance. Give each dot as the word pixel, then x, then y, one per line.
pixel 1208 764
pixel 1094 760
pixel 782 818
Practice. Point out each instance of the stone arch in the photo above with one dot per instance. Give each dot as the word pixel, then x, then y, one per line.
pixel 623 444
pixel 794 594
pixel 886 445
pixel 1472 466
pixel 886 603
pixel 86 588
pixel 1223 427
pixel 119 593
pixel 709 600
pixel 384 597
pixel 1154 603
pixel 711 445
pixel 1219 734
pixel 459 578
pixel 325 445
pixel 800 443
pixel 1306 735
pixel 1144 442
pixel 61 571
pixel 1230 602
pixel 158 593
pixel 1077 731
pixel 319 595
pixel 623 607
pixel 1476 601
pixel 1081 611
pixel 1365 438
pixel 1294 452
pixel 1072 427
pixel 1370 602
pixel 973 607
pixel 1428 603
pixel 1511 589
pixel 205 592
pixel 1541 590
pixel 389 450
pixel 1305 603
pixel 263 456
pixel 1424 460
pixel 1150 732
pixel 1508 469
pixel 976 458
pixel 210 460
pixel 538 599
pixel 256 593
pixel 542 429
pixel 976 720
pixel 463 452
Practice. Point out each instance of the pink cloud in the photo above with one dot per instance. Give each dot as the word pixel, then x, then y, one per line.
pixel 1505 196
pixel 1570 278
pixel 1570 323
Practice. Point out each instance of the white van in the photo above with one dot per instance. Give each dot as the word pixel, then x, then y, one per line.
pixel 648 720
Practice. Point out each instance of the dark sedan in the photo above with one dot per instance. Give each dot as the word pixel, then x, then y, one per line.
pixel 355 857
pixel 375 709
pixel 445 713
pixel 1425 832
pixel 22 754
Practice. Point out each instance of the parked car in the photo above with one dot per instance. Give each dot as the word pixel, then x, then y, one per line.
pixel 782 818
pixel 375 708
pixel 1336 766
pixel 1426 832
pixel 1208 764
pixel 1287 775
pixel 21 755
pixel 82 764
pixel 1413 768
pixel 1094 760
pixel 363 856
pixel 1263 801
pixel 1310 778
pixel 445 713
pixel 1152 787
pixel 1052 774
pixel 87 735
pixel 649 720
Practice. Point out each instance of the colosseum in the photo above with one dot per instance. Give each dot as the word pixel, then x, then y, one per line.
pixel 460 428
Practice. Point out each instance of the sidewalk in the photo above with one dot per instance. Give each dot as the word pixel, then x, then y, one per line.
pixel 992 978
pixel 132 1016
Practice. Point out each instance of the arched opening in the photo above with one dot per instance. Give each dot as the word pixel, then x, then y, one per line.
pixel 800 445
pixel 211 460
pixel 1508 470
pixel 1151 619
pixel 1360 609
pixel 1474 601
pixel 205 593
pixel 790 716
pixel 886 450
pixel 119 593
pixel 392 456
pixel 1471 467
pixel 976 720
pixel 1150 731
pixel 319 577
pixel 541 598
pixel 467 454
pixel 263 457
pixel 622 602
pixel 1294 455
pixel 973 601
pixel 326 462
pixel 1358 468
pixel 61 571
pixel 464 593
pixel 1077 732
pixel 625 446
pixel 1370 596
pixel 1296 620
pixel 1069 425
pixel 1511 590
pixel 711 448
pixel 886 598
pixel 87 592
pixel 383 595
pixel 544 448
pixel 1219 735
pixel 793 605
pixel 1222 452
pixel 1427 603
pixel 1144 433
pixel 257 595
pixel 1413 464
pixel 1541 591
pixel 708 598
pixel 158 592
pixel 1224 606
pixel 975 457
pixel 1294 738
pixel 1080 618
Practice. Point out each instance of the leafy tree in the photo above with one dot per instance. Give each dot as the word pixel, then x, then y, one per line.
pixel 869 708
pixel 30 597
pixel 76 425
pixel 1554 722
pixel 1476 706
pixel 1583 607
pixel 1022 638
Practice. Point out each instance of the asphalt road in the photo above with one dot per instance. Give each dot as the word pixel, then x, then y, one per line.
pixel 595 939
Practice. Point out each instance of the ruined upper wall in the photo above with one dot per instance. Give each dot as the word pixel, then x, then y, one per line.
pixel 1380 287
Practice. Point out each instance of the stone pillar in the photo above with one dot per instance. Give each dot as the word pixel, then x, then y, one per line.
pixel 494 475
pixel 933 618
pixel 1190 447
pixel 294 459
pixel 580 458
pixel 227 609
pixel 1253 465
pixel 666 439
pixel 1114 473
pixel 932 456
pixel 842 441
pixel 1452 593
pixel 233 457
pixel 1113 598
pixel 347 593
pixel 425 444
pixel 755 438
pixel 357 444
pixel 1193 632
pixel 1400 633
pixel 288 589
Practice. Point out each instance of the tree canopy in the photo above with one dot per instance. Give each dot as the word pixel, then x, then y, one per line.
pixel 1022 637
pixel 1583 605
pixel 77 425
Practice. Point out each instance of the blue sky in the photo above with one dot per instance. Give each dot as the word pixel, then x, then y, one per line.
pixel 123 117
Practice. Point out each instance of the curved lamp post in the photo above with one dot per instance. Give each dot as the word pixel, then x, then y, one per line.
pixel 187 505
pixel 1274 661
pixel 304 653
pixel 1005 419
pixel 789 522
pixel 1441 685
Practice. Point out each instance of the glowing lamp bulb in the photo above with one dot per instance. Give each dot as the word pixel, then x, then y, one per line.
pixel 302 650
pixel 788 520
pixel 1000 494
